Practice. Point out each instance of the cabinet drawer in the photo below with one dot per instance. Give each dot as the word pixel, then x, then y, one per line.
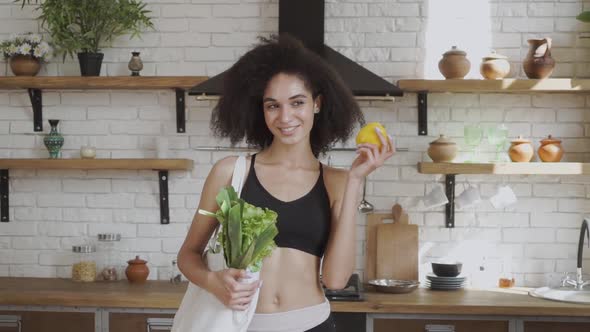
pixel 556 327
pixel 54 321
pixel 136 322
pixel 419 325
pixel 10 323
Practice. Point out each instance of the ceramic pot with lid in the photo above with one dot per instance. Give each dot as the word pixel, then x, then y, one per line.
pixel 521 150
pixel 494 66
pixel 550 149
pixel 442 150
pixel 454 64
pixel 137 270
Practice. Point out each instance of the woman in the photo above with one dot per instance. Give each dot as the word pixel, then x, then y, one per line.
pixel 286 101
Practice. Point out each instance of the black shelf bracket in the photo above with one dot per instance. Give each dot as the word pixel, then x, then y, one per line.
pixel 180 111
pixel 423 113
pixel 164 209
pixel 4 196
pixel 36 97
pixel 450 207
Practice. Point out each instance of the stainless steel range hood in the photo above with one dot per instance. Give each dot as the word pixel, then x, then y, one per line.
pixel 304 19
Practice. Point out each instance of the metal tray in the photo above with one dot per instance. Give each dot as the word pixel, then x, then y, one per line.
pixel 394 286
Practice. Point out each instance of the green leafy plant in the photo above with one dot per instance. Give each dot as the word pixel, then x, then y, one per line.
pixel 584 17
pixel 89 25
pixel 247 232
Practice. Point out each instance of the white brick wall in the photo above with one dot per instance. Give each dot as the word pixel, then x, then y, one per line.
pixel 51 210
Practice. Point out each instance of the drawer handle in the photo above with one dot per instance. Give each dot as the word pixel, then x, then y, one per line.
pixel 11 321
pixel 159 324
pixel 439 328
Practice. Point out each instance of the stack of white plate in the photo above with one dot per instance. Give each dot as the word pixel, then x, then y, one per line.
pixel 445 283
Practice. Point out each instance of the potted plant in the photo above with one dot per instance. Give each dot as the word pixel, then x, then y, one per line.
pixel 86 26
pixel 25 52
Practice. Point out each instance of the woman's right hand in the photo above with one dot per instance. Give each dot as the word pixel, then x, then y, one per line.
pixel 227 288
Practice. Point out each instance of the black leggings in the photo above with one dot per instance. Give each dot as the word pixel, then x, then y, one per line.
pixel 327 326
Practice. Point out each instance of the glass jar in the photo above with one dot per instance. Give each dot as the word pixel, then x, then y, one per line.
pixel 109 263
pixel 83 263
pixel 175 276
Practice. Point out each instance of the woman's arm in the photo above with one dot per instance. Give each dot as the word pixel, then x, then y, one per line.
pixel 339 259
pixel 223 284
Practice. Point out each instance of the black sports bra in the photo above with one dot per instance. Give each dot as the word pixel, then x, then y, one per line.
pixel 304 223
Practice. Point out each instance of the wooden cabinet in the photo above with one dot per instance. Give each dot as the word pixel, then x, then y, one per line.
pixel 138 322
pixel 350 321
pixel 419 325
pixel 556 327
pixel 10 323
pixel 53 321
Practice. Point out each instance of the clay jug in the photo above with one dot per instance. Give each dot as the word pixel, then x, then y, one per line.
pixel 538 62
pixel 550 149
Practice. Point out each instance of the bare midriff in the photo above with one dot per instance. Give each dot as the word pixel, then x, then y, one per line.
pixel 290 281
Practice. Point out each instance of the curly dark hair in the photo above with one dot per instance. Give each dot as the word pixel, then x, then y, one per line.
pixel 239 113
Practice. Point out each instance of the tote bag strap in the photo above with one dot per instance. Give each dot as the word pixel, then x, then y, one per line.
pixel 237 179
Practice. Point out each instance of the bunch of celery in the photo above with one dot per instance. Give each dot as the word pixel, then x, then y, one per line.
pixel 247 232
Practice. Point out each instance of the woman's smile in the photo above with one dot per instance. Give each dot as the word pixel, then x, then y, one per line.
pixel 288 131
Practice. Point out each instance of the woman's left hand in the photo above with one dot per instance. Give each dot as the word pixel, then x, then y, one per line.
pixel 370 157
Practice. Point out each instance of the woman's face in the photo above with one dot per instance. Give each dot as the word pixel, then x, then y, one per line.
pixel 289 108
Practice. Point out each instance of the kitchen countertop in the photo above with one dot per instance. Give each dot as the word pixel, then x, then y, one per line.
pixel 164 295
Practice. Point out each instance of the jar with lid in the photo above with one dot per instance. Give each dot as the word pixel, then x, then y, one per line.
pixel 84 263
pixel 110 261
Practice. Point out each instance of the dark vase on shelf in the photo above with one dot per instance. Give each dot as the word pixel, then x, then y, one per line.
pixel 54 140
pixel 90 63
pixel 135 64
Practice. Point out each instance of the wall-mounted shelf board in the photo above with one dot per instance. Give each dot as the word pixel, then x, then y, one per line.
pixel 551 85
pixel 160 165
pixel 531 168
pixel 99 163
pixel 423 87
pixel 35 86
pixel 100 82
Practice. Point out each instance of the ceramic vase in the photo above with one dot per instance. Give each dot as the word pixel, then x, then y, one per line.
pixel 550 150
pixel 454 64
pixel 442 150
pixel 135 64
pixel 538 63
pixel 24 65
pixel 521 150
pixel 137 270
pixel 54 140
pixel 494 66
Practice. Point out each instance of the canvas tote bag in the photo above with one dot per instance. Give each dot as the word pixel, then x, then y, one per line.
pixel 200 310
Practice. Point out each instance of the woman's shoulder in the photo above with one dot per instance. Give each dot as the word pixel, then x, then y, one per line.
pixel 335 178
pixel 224 167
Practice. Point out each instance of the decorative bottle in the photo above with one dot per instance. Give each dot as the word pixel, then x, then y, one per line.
pixel 54 140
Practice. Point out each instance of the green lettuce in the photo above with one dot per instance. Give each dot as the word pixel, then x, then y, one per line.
pixel 247 231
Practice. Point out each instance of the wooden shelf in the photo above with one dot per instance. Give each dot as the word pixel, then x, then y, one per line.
pixel 531 168
pixel 160 165
pixel 35 86
pixel 563 85
pixel 101 82
pixel 127 164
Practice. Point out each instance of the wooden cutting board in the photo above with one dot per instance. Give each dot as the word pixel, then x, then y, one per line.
pixel 391 248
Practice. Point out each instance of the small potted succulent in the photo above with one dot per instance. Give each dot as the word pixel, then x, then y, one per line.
pixel 25 52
